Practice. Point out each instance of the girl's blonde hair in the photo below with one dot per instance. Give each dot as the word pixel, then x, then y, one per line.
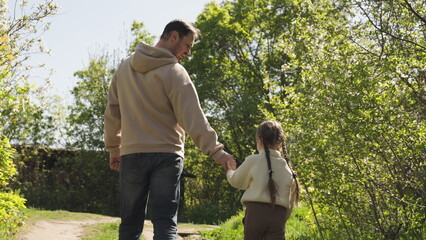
pixel 271 133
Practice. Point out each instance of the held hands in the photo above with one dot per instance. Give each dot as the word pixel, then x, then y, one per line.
pixel 225 161
pixel 114 163
pixel 232 165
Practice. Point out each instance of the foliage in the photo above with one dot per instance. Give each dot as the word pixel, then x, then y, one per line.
pixel 22 120
pixel 85 121
pixel 208 198
pixel 11 204
pixel 11 214
pixel 140 34
pixel 232 66
pixel 79 181
pixel 355 125
pixel 6 164
pixel 347 80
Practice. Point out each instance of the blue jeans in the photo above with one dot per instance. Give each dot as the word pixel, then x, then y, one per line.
pixel 159 175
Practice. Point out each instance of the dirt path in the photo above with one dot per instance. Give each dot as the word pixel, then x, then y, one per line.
pixel 73 230
pixel 58 229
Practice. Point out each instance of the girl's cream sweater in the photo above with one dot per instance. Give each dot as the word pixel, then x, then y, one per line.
pixel 252 176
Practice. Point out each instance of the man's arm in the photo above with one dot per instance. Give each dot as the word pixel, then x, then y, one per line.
pixel 112 125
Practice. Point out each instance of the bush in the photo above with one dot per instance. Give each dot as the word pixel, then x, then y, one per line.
pixel 7 168
pixel 11 205
pixel 78 181
pixel 11 214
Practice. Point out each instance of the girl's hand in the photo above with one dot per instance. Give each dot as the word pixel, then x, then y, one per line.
pixel 232 165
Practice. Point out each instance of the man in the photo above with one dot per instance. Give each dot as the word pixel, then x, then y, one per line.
pixel 152 102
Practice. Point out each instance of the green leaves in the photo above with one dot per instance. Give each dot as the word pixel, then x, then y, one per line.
pixel 22 120
pixel 6 164
pixel 11 214
pixel 140 35
pixel 86 114
pixel 347 80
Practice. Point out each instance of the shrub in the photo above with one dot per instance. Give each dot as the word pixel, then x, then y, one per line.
pixel 11 205
pixel 11 213
pixel 78 181
pixel 7 168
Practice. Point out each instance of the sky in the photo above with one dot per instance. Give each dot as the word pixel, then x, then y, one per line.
pixel 86 27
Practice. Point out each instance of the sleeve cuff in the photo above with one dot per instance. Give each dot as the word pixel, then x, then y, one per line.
pixel 114 152
pixel 218 154
pixel 229 174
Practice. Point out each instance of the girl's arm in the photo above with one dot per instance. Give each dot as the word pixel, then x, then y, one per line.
pixel 241 177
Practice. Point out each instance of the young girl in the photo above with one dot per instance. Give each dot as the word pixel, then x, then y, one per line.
pixel 270 185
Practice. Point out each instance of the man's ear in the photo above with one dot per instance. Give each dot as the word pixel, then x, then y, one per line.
pixel 174 35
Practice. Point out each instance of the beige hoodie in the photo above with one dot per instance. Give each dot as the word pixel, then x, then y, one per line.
pixel 151 103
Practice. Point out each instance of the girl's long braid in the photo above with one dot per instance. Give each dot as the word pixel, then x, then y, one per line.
pixel 272 187
pixel 270 133
pixel 296 191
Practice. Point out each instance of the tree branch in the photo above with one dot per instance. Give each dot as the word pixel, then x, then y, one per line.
pixel 422 48
pixel 414 12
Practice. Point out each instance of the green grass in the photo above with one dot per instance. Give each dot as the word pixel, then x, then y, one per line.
pixel 34 214
pixel 231 229
pixel 101 231
pixel 301 226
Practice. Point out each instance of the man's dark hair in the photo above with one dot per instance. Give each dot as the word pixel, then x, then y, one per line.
pixel 182 27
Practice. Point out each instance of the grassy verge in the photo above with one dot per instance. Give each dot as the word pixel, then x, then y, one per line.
pixel 37 214
pixel 101 231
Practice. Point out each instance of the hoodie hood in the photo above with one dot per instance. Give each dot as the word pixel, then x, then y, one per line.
pixel 147 58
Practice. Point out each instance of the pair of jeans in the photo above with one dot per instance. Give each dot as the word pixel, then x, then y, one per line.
pixel 156 175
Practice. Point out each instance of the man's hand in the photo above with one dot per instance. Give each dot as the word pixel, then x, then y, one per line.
pixel 224 159
pixel 114 163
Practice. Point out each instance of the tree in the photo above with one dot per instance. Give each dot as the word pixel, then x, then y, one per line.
pixel 236 67
pixel 22 120
pixel 360 123
pixel 349 90
pixel 140 34
pixel 17 112
pixel 86 116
